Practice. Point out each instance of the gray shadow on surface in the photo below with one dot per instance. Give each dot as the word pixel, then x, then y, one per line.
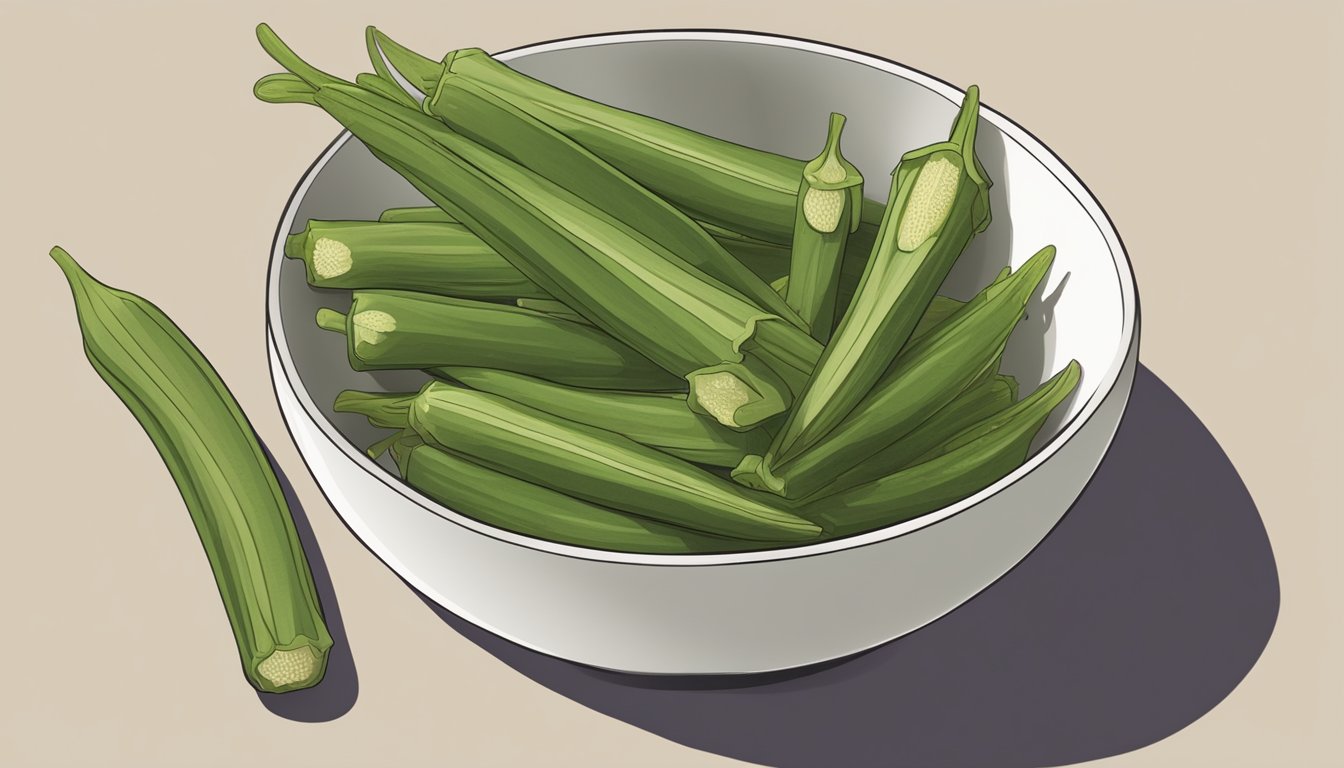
pixel 1139 613
pixel 339 689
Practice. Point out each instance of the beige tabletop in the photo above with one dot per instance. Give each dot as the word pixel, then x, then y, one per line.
pixel 130 136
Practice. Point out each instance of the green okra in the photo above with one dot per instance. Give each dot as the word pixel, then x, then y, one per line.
pixel 495 123
pixel 229 487
pixel 967 463
pixel 979 401
pixel 743 365
pixel 417 214
pixel 926 376
pixel 658 420
pixel 744 189
pixel 939 200
pixel 443 258
pixel 399 329
pixel 595 465
pixel 503 501
pixel 829 199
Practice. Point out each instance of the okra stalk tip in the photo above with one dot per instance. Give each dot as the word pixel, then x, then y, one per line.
pixel 331 320
pixel 299 667
pixel 286 57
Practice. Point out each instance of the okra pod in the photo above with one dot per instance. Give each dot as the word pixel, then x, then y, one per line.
pixel 658 420
pixel 938 201
pixel 744 189
pixel 400 329
pixel 444 259
pixel 926 376
pixel 829 198
pixel 595 465
pixel 979 401
pixel 498 125
pixel 743 364
pixel 229 487
pixel 498 499
pixel 967 463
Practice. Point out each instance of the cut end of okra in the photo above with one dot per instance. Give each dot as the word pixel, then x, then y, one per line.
pixel 754 472
pixel 721 395
pixel 331 258
pixel 291 668
pixel 930 201
pixel 371 326
pixel 830 178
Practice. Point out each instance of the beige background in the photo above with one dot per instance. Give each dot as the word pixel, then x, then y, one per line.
pixel 130 137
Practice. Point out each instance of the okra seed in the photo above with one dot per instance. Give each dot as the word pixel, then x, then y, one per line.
pixel 822 208
pixel 929 203
pixel 372 326
pixel 288 667
pixel 721 394
pixel 331 258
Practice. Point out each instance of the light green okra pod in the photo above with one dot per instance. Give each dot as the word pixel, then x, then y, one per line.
pixel 440 258
pixel 658 420
pixel 399 329
pixel 229 487
pixel 595 465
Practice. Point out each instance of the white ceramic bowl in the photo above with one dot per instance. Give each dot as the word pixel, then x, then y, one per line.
pixel 752 612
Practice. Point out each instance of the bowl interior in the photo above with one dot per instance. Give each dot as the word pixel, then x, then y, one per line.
pixel 776 97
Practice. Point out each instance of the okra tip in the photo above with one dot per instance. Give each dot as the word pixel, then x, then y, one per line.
pixel 284 88
pixel 331 320
pixel 288 669
pixel 287 58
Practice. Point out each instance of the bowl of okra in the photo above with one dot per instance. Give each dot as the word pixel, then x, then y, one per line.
pixel 690 352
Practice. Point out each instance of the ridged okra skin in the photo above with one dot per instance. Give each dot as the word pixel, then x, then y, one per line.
pixel 399 329
pixel 938 201
pixel 498 499
pixel 225 479
pixel 595 465
pixel 744 189
pixel 658 420
pixel 926 377
pixel 969 462
pixel 441 258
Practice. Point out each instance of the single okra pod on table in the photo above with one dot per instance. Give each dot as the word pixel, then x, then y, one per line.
pixel 657 419
pixel 829 199
pixel 445 259
pixel 595 465
pixel 224 476
pixel 495 123
pixel 399 329
pixel 967 463
pixel 743 364
pixel 926 376
pixel 748 190
pixel 503 501
pixel 939 199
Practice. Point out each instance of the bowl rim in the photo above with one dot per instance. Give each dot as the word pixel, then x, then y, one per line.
pixel 1126 346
